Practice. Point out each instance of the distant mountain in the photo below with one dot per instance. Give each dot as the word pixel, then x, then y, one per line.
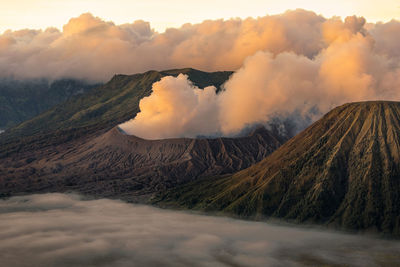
pixel 21 100
pixel 130 168
pixel 342 171
pixel 95 111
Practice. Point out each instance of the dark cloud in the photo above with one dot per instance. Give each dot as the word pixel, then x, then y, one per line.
pixel 65 230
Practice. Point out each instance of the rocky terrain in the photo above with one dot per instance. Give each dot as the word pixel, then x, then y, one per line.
pixel 343 171
pixel 120 166
pixel 76 146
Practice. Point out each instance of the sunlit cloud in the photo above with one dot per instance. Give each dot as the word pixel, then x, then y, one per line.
pixel 94 49
pixel 297 62
pixel 351 65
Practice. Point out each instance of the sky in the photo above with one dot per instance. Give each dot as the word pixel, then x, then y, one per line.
pixel 40 14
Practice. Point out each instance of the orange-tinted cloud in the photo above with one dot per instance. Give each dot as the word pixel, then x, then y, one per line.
pixel 91 48
pixel 297 62
pixel 175 108
pixel 350 68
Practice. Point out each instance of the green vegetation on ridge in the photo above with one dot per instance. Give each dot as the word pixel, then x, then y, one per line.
pixel 25 99
pixel 95 111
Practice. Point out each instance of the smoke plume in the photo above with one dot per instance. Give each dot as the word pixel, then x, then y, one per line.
pixel 175 107
pixel 65 230
pixel 352 66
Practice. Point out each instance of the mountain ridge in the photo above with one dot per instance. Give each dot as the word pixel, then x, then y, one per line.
pixel 21 100
pixel 77 146
pixel 343 171
pixel 96 111
pixel 131 168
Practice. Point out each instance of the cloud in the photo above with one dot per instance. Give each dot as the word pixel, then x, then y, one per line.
pixel 353 66
pixel 66 230
pixel 296 64
pixel 175 106
pixel 91 48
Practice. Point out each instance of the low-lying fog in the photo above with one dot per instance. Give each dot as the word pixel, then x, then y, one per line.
pixel 66 230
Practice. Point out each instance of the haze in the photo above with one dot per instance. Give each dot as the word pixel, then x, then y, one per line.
pixel 66 230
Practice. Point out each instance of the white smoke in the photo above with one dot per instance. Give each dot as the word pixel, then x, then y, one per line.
pixel 176 106
pixel 353 66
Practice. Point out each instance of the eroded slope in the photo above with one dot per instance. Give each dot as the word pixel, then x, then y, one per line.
pixel 344 170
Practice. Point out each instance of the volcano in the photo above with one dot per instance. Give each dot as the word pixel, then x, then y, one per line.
pixel 343 171
pixel 77 146
pixel 127 167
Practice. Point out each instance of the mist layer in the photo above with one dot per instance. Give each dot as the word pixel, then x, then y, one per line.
pixel 65 230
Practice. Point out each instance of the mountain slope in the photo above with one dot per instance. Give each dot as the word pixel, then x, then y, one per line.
pixel 23 100
pixel 343 171
pixel 131 168
pixel 76 146
pixel 95 111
